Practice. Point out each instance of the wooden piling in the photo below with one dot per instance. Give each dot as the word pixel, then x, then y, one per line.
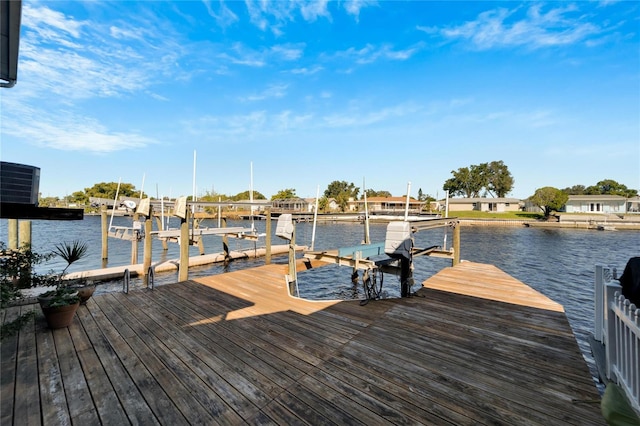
pixel 225 240
pixel 183 270
pixel 456 244
pixel 165 245
pixel 267 255
pixel 105 232
pixel 292 263
pixel 134 241
pixel 12 233
pixel 146 259
pixel 24 232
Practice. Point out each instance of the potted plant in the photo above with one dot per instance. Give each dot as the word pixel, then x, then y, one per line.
pixel 60 305
pixel 72 252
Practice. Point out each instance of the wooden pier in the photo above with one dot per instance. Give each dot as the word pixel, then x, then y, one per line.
pixel 475 347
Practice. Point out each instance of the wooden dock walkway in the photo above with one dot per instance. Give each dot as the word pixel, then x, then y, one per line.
pixel 235 348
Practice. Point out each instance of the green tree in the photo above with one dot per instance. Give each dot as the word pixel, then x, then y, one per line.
pixel 247 196
pixel 466 181
pixel 549 199
pixel 498 178
pixel 323 204
pixel 285 194
pixel 372 193
pixel 610 187
pixel 79 197
pixel 341 188
pixel 343 201
pixel 48 201
pixel 109 189
pixel 493 177
pixel 575 190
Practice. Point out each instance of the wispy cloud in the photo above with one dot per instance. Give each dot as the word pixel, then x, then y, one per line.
pixel 370 53
pixel 219 11
pixel 307 71
pixel 274 15
pixel 353 7
pixel 66 130
pixel 81 59
pixel 272 92
pixel 538 28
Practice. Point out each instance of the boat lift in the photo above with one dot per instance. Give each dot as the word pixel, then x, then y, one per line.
pixel 395 255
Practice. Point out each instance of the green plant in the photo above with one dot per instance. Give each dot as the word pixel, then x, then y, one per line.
pixel 70 252
pixel 17 272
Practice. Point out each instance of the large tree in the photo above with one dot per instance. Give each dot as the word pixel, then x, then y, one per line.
pixel 246 195
pixel 109 189
pixel 285 194
pixel 493 177
pixel 372 193
pixel 499 181
pixel 341 189
pixel 466 181
pixel 610 187
pixel 549 199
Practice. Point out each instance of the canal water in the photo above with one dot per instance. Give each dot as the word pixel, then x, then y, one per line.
pixel 559 263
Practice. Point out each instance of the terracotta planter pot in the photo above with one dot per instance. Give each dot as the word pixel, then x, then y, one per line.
pixel 60 316
pixel 85 293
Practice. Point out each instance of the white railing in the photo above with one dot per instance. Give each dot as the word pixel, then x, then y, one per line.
pixel 617 327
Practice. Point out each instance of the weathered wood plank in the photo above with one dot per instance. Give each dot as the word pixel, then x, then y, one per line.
pixel 26 406
pixel 54 401
pixel 237 348
pixel 193 370
pixel 8 352
pixel 136 407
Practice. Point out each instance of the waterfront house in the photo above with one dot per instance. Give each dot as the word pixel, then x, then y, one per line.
pixel 483 204
pixel 387 205
pixel 290 205
pixel 607 204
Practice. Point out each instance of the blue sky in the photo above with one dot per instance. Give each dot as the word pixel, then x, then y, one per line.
pixel 311 92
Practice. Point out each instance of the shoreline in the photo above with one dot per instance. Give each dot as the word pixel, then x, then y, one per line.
pixel 609 225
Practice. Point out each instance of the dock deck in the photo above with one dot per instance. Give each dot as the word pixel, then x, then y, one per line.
pixel 475 347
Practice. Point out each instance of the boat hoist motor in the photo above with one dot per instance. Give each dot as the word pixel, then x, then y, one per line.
pixel 398 244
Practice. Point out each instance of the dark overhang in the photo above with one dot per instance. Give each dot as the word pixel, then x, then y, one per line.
pixel 28 211
pixel 10 15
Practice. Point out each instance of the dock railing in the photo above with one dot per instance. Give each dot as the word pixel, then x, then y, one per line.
pixel 617 327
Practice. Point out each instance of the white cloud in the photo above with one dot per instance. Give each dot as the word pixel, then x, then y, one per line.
pixel 223 16
pixel 370 53
pixel 503 27
pixel 353 7
pixel 271 92
pixel 307 71
pixel 65 130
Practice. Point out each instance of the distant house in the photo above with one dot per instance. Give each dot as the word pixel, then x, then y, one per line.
pixel 387 205
pixel 633 204
pixel 499 205
pixel 596 204
pixel 291 205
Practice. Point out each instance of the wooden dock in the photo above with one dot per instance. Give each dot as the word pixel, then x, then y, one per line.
pixel 475 347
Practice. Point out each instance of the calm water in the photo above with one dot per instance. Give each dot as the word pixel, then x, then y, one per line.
pixel 559 263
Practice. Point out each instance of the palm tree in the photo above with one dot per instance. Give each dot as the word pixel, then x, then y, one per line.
pixel 70 252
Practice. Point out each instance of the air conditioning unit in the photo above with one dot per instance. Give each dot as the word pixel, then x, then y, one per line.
pixel 19 183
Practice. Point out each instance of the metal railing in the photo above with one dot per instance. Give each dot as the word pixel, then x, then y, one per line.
pixel 617 327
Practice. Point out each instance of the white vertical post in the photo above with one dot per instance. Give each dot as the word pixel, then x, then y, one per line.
pixel 113 210
pixel 406 208
pixel 599 302
pixel 315 219
pixel 610 321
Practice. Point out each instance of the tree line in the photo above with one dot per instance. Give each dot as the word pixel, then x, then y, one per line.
pixel 492 179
